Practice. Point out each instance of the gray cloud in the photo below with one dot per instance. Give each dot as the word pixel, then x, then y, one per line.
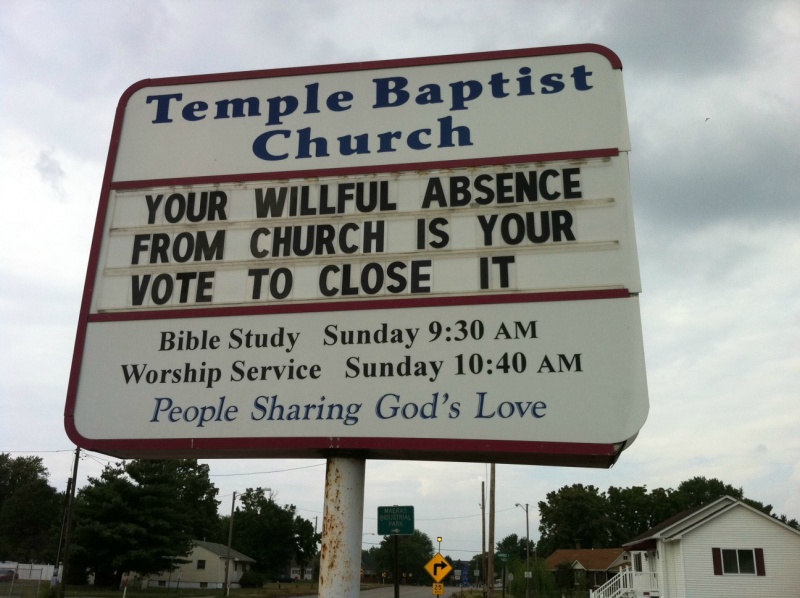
pixel 50 170
pixel 715 203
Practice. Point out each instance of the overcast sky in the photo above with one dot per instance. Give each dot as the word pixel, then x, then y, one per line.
pixel 713 97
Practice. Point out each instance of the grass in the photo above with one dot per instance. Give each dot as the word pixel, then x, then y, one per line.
pixel 35 589
pixel 270 590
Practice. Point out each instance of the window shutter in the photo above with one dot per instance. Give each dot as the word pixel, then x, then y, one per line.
pixel 716 554
pixel 760 570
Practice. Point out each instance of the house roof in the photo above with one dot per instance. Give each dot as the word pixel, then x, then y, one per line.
pixel 655 531
pixel 221 550
pixel 597 559
pixel 688 520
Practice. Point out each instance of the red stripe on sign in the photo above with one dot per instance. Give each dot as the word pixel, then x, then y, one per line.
pixel 333 305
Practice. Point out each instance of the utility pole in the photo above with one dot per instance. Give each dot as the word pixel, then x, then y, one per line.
pixel 63 525
pixel 68 532
pixel 490 571
pixel 528 572
pixel 483 535
pixel 527 551
pixel 230 541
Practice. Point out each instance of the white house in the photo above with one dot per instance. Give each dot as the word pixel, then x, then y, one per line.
pixel 205 568
pixel 724 549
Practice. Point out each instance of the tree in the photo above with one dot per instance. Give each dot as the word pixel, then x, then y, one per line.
pixel 699 491
pixel 30 510
pixel 514 547
pixel 543 582
pixel 368 561
pixel 575 515
pixel 306 542
pixel 414 552
pixel 18 471
pixel 271 534
pixel 140 516
pixel 582 515
pixel 197 495
pixel 633 511
pixel 514 561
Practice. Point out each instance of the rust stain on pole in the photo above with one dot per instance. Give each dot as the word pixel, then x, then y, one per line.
pixel 340 559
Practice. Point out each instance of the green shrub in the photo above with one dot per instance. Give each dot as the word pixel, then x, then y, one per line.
pixel 251 579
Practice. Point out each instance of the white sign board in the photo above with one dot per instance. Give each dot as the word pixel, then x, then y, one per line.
pixel 424 259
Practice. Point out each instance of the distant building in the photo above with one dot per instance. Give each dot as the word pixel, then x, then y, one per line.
pixel 596 566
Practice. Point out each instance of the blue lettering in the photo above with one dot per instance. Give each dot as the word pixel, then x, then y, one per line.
pixel 336 101
pixel 481 415
pixel 159 408
pixel 190 111
pixel 305 143
pixel 446 131
pixel 202 415
pixel 552 83
pixel 429 94
pixel 260 145
pixel 391 411
pixel 280 107
pixel 390 92
pixel 414 141
pixel 463 92
pixel 580 75
pixel 162 106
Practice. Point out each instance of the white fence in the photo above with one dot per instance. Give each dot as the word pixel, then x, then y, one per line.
pixel 36 572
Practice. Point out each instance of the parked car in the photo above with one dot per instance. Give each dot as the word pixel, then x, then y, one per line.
pixel 8 575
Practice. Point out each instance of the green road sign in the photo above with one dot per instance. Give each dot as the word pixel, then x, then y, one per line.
pixel 395 521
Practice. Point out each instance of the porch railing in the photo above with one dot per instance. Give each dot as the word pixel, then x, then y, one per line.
pixel 628 583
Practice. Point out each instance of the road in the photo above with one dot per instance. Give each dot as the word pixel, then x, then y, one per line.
pixel 405 592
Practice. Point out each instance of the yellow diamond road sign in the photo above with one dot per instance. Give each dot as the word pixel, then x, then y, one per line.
pixel 438 567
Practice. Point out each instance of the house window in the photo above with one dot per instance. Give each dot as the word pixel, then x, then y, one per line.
pixel 203 584
pixel 738 561
pixel 201 564
pixel 162 583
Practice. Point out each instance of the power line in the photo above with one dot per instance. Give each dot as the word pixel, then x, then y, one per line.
pixel 86 454
pixel 34 452
pixel 228 475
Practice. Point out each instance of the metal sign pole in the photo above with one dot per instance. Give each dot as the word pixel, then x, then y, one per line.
pixel 340 560
pixel 396 566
